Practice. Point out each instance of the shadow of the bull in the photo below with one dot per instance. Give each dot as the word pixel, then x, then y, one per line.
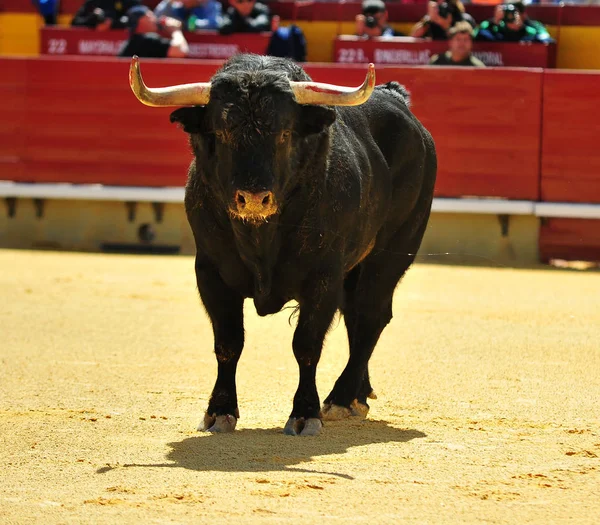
pixel 265 450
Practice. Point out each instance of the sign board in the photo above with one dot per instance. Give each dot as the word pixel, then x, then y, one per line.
pixel 207 44
pixel 414 51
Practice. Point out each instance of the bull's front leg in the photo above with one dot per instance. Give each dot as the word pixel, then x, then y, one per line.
pixel 225 309
pixel 315 318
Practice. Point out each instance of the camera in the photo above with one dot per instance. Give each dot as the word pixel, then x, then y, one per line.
pixel 509 13
pixel 99 16
pixel 443 9
pixel 370 22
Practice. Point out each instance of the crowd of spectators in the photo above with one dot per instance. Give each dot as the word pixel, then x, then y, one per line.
pixel 510 23
pixel 159 32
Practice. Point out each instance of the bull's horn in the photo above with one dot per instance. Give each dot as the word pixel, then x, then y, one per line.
pixel 331 95
pixel 183 95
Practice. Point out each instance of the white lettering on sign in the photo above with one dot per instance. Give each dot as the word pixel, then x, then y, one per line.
pixel 352 55
pixel 402 56
pixel 489 58
pixel 210 50
pixel 57 46
pixel 99 47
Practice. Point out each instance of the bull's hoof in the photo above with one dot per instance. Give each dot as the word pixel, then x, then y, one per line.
pixel 359 409
pixel 372 395
pixel 216 423
pixel 303 427
pixel 331 412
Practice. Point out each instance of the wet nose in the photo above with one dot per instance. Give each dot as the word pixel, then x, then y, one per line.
pixel 254 202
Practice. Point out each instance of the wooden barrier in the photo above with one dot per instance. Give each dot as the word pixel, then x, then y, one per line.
pixel 570 239
pixel 413 51
pixel 499 133
pixel 484 148
pixel 204 44
pixel 570 137
pixel 79 122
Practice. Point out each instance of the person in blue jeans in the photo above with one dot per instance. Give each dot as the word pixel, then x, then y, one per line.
pixel 48 9
pixel 193 14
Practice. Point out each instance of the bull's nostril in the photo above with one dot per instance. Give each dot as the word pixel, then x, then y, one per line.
pixel 254 202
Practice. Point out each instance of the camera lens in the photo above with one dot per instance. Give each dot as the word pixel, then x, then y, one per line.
pixel 443 9
pixel 509 14
pixel 370 21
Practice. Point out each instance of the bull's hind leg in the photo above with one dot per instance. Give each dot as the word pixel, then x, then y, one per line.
pixel 350 392
pixel 367 310
pixel 225 309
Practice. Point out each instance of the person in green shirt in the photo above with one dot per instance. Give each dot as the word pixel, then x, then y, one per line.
pixel 460 44
pixel 542 34
pixel 508 25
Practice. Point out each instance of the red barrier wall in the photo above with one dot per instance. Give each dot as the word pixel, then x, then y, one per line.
pixel 498 132
pixel 571 137
pixel 77 121
pixel 485 123
pixel 570 239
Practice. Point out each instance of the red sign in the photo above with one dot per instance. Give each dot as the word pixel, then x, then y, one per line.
pixel 207 44
pixel 413 51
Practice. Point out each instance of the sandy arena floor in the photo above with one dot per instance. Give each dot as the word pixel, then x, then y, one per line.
pixel 488 409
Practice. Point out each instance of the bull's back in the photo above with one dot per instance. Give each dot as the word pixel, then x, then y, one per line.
pixel 400 168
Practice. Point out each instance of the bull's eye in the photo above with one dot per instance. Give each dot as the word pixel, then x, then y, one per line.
pixel 284 136
pixel 223 136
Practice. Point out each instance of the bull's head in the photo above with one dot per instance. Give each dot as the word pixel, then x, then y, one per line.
pixel 252 128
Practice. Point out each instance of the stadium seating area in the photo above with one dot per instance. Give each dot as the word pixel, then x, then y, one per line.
pixel 575 28
pixel 514 139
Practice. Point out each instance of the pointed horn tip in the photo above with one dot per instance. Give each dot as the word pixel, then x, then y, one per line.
pixel 371 74
pixel 134 69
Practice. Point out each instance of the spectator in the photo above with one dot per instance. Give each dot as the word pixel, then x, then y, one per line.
pixel 373 22
pixel 193 14
pixel 48 9
pixel 288 42
pixel 103 14
pixel 542 34
pixel 145 41
pixel 460 44
pixel 441 16
pixel 506 26
pixel 248 16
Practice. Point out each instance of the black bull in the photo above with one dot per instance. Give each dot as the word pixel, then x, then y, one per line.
pixel 320 204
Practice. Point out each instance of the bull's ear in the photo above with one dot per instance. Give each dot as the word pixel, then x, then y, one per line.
pixel 190 119
pixel 315 119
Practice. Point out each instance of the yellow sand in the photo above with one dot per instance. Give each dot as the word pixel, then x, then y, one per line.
pixel 488 409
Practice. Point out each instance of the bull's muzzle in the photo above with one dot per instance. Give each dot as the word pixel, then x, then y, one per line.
pixel 254 206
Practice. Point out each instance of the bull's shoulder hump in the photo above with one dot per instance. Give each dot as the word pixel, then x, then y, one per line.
pixel 395 90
